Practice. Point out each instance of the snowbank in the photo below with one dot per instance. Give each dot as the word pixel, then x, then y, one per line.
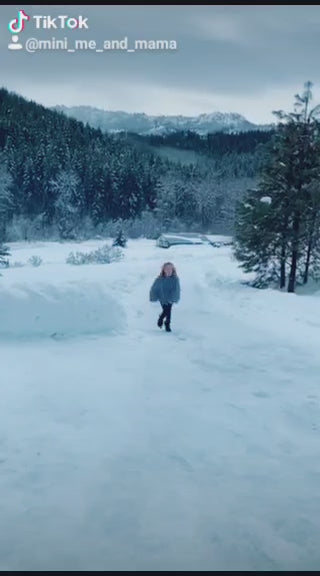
pixel 67 309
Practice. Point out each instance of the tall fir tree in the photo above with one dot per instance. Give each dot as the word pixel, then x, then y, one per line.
pixel 278 238
pixel 68 203
pixel 6 198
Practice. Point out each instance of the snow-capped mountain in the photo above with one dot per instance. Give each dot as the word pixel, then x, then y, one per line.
pixel 140 123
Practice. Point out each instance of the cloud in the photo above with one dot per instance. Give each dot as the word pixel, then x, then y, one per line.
pixel 246 59
pixel 219 27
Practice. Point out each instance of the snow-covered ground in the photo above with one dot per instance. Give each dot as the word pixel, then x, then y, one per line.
pixel 126 448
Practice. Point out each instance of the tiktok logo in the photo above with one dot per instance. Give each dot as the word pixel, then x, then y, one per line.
pixel 17 24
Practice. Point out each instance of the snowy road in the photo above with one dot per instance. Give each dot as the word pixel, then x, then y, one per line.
pixel 141 450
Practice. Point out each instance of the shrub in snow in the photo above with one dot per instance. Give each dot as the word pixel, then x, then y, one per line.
pixel 4 253
pixel 77 259
pixel 104 255
pixel 120 240
pixel 35 260
pixel 17 265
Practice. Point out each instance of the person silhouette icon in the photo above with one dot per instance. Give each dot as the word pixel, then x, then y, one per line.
pixel 15 44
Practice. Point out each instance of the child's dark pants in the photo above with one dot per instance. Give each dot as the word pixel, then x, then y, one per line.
pixel 166 314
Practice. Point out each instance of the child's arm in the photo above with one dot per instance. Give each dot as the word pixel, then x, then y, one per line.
pixel 153 296
pixel 177 290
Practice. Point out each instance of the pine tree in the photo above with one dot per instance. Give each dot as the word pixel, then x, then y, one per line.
pixel 254 239
pixel 312 231
pixel 279 238
pixel 120 239
pixel 304 129
pixel 6 198
pixel 68 203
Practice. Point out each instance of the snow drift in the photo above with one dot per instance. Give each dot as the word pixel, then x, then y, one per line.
pixel 61 310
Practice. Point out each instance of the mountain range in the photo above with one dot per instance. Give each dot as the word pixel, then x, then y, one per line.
pixel 140 123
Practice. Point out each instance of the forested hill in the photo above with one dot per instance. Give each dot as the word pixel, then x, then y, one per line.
pixel 65 174
pixel 215 144
pixel 38 143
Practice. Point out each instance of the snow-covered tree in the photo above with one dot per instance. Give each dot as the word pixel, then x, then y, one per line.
pixel 120 239
pixel 4 253
pixel 282 233
pixel 168 195
pixel 68 203
pixel 6 199
pixel 254 239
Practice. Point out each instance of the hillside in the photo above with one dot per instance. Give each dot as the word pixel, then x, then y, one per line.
pixel 64 179
pixel 140 123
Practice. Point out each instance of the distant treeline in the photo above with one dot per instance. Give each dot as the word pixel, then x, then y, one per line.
pixel 68 177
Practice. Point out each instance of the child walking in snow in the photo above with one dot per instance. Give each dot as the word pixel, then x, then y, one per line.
pixel 166 289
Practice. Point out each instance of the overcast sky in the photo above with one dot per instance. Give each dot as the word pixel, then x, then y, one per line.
pixel 245 59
